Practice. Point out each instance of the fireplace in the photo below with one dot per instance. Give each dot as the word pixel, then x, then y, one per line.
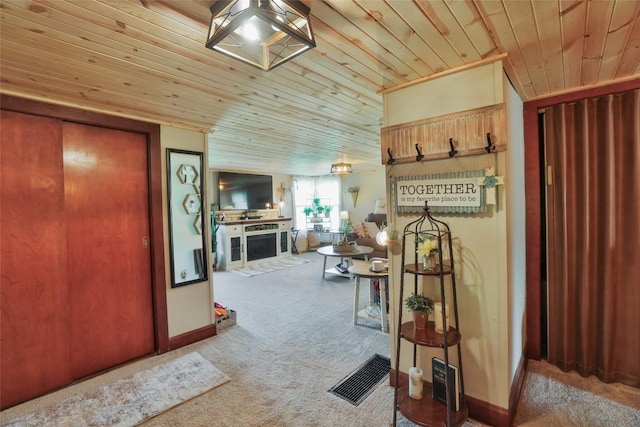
pixel 261 246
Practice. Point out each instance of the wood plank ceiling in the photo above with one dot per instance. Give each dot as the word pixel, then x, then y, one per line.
pixel 146 59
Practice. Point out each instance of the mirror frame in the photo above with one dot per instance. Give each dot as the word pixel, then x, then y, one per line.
pixel 185 189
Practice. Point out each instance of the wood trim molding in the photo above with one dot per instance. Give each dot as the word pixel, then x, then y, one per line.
pixel 533 194
pixel 487 413
pixel 597 89
pixel 465 67
pixel 533 228
pixel 192 336
pixel 152 131
pixel 516 388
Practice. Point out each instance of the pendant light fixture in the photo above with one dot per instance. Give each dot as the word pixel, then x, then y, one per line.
pixel 262 33
pixel 341 168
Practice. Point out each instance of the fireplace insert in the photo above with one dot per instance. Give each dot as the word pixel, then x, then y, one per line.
pixel 261 246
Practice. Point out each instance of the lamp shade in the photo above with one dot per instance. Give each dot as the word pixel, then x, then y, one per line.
pixel 341 168
pixel 262 33
pixel 344 214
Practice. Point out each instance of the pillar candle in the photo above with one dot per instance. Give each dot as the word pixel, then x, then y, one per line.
pixel 415 383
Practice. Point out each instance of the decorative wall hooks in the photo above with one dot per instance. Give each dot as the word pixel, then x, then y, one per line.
pixel 391 159
pixel 473 132
pixel 453 151
pixel 490 146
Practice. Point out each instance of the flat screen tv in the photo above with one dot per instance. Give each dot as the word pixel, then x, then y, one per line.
pixel 244 191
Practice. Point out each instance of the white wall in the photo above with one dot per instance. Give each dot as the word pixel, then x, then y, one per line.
pixel 372 184
pixel 486 265
pixel 481 86
pixel 189 307
pixel 516 229
pixel 285 180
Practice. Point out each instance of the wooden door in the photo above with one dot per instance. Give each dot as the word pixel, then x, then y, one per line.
pixel 108 256
pixel 34 349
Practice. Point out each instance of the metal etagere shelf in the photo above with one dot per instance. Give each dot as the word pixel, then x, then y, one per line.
pixel 429 411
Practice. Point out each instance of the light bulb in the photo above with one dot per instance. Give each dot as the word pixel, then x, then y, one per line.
pixel 381 237
pixel 250 32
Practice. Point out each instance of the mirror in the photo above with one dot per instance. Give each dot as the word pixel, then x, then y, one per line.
pixel 186 219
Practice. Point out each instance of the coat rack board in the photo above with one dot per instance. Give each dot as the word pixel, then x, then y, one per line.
pixel 471 132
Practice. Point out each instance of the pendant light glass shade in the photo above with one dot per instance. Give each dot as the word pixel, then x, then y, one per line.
pixel 341 168
pixel 262 33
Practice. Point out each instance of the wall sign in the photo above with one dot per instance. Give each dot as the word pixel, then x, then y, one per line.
pixel 453 192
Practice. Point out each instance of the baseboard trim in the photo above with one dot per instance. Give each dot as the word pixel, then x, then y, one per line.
pixel 516 387
pixel 487 413
pixel 478 409
pixel 192 336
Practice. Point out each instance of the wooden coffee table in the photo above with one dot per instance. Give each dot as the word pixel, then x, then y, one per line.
pixel 327 251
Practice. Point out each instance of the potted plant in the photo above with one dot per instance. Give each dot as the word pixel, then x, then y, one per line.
pixel 420 306
pixel 214 239
pixel 327 210
pixel 307 210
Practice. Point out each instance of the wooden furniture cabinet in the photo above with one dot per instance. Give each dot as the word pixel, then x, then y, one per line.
pixel 428 411
pixel 246 242
pixel 232 252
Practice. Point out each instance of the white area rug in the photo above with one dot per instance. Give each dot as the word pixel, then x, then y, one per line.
pixel 129 401
pixel 268 266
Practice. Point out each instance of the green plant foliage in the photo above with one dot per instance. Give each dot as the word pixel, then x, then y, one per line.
pixel 420 303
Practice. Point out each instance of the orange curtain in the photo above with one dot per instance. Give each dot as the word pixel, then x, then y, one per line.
pixel 593 236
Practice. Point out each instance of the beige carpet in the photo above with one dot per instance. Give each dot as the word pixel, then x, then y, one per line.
pixel 130 400
pixel 552 398
pixel 294 340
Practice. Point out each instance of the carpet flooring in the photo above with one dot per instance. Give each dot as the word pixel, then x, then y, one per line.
pixel 131 400
pixel 295 339
pixel 551 397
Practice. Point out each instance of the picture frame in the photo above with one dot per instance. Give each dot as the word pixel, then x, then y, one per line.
pixel 187 246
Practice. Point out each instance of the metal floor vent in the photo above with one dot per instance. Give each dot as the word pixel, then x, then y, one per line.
pixel 355 387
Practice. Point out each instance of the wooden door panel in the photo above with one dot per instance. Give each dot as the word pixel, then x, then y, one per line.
pixel 33 342
pixel 106 195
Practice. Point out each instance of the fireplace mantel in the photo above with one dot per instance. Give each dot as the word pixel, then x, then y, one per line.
pixel 238 238
pixel 253 221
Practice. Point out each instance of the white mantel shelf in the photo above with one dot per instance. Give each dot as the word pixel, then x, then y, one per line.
pixel 253 221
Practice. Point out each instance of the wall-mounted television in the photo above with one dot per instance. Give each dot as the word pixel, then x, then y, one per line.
pixel 244 191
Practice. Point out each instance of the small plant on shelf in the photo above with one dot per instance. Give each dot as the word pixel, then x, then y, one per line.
pixel 420 303
pixel 307 211
pixel 421 306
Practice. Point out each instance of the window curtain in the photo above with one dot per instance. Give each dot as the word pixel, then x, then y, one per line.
pixel 593 236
